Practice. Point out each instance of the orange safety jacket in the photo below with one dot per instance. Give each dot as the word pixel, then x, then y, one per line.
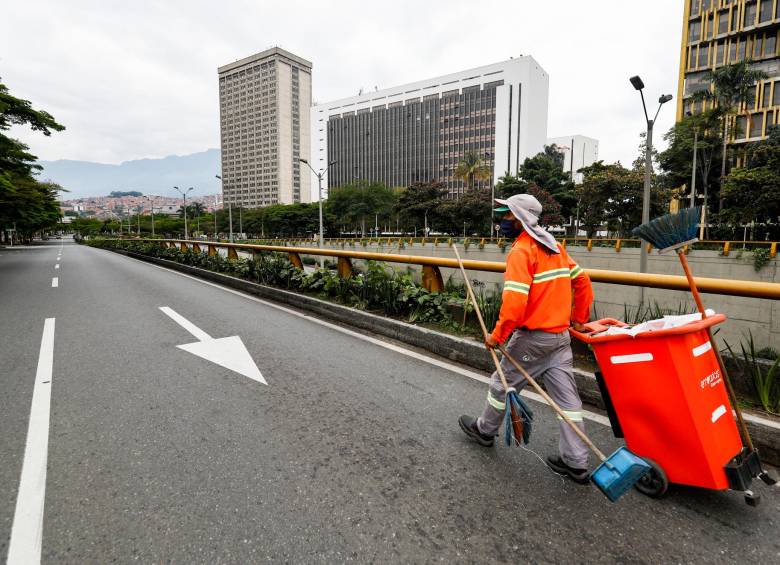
pixel 538 288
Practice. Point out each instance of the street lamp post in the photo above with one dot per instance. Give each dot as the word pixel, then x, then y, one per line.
pixel 151 202
pixel 230 212
pixel 319 176
pixel 637 83
pixel 184 195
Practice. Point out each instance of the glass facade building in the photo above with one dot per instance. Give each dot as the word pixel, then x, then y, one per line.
pixel 419 132
pixel 720 32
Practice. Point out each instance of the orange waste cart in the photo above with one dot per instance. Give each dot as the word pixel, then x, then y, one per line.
pixel 665 395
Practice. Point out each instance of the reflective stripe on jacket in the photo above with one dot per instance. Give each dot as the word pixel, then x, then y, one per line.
pixel 538 289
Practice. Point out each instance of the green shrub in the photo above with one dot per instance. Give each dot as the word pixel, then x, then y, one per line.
pixel 766 380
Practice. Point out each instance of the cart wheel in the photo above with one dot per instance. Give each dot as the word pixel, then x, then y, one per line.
pixel 654 483
pixel 751 498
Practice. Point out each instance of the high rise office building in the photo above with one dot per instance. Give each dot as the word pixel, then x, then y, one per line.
pixel 418 132
pixel 264 103
pixel 720 32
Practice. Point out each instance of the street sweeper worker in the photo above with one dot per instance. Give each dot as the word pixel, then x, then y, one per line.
pixel 544 293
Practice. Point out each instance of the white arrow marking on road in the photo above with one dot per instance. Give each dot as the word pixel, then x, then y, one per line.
pixel 228 352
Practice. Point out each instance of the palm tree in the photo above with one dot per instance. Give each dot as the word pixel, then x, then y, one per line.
pixel 731 85
pixel 472 168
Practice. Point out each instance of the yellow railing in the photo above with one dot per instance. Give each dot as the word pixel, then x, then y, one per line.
pixel 723 246
pixel 432 278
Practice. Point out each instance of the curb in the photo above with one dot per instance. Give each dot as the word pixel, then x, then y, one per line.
pixel 765 432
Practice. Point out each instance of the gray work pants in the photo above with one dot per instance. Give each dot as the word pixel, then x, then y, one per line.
pixel 545 356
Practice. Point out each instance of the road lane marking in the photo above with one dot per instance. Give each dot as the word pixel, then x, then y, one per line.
pixel 27 528
pixel 55 282
pixel 229 352
pixel 57 266
pixel 391 346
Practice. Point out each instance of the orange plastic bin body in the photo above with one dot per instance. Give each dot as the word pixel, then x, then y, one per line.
pixel 669 397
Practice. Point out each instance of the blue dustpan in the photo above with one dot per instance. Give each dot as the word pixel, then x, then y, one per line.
pixel 618 473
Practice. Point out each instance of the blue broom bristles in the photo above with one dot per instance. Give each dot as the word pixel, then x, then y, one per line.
pixel 671 229
pixel 526 415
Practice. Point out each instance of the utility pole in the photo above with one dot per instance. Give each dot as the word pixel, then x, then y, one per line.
pixel 637 83
pixel 319 181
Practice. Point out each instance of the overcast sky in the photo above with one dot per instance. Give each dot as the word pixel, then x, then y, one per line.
pixel 139 79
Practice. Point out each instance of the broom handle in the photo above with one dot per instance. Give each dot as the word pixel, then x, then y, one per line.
pixel 552 403
pixel 473 298
pixel 726 379
pixel 528 377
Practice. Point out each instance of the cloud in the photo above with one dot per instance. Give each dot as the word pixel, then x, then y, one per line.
pixel 139 79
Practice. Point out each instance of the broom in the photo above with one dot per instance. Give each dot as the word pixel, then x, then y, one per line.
pixel 518 417
pixel 673 232
pixel 617 473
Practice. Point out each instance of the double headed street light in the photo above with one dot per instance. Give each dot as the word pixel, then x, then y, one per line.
pixel 637 83
pixel 184 195
pixel 319 176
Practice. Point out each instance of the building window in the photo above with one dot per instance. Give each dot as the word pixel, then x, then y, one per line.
pixel 694 31
pixel 723 22
pixel 757 125
pixel 750 14
pixel 770 43
pixel 740 127
pixel 704 52
pixel 765 11
pixel 720 53
pixel 694 7
pixel 776 94
pixel 766 94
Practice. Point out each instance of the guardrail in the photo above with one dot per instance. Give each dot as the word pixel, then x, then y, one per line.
pixel 431 268
pixel 725 247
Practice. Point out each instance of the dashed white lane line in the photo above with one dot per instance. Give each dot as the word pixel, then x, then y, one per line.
pixel 55 282
pixel 27 528
pixel 391 346
pixel 57 266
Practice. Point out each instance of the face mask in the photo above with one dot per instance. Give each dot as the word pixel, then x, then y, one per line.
pixel 508 229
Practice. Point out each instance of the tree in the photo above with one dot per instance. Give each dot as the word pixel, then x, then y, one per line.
pixel 731 85
pixel 612 195
pixel 25 203
pixel 676 161
pixel 472 168
pixel 470 213
pixel 752 194
pixel 417 201
pixel 353 203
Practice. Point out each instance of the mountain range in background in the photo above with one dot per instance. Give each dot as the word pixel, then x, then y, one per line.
pixel 150 176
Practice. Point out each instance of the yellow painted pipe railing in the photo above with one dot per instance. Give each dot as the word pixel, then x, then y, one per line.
pixel 433 280
pixel 617 244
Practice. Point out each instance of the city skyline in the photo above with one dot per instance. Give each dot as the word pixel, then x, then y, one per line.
pixel 160 98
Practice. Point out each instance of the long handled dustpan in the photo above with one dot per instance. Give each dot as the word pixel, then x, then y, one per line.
pixel 617 473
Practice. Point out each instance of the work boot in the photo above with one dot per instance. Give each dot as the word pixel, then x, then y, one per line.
pixel 581 476
pixel 469 427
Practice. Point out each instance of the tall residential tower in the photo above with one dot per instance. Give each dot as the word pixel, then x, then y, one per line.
pixel 264 103
pixel 418 132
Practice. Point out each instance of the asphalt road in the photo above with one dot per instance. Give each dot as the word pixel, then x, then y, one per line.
pixel 351 452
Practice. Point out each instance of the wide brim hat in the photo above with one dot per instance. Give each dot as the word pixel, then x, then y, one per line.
pixel 527 210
